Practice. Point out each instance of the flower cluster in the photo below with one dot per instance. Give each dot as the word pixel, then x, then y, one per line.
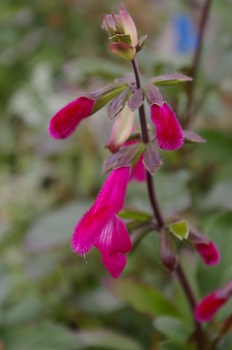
pixel 132 157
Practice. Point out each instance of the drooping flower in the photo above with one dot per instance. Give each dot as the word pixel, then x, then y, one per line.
pixel 208 252
pixel 208 306
pixel 169 134
pixel 66 120
pixel 206 248
pixel 101 227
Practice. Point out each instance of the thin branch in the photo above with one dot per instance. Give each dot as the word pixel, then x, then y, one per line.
pixel 196 59
pixel 224 329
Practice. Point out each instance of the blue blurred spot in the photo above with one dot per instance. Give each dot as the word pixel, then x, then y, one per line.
pixel 186 34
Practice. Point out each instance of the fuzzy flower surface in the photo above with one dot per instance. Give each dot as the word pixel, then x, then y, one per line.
pixel 208 306
pixel 169 134
pixel 101 227
pixel 66 120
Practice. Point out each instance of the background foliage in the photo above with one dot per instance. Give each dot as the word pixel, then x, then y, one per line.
pixel 50 298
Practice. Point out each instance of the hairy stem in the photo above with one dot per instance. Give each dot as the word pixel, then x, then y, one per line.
pixel 159 215
pixel 196 58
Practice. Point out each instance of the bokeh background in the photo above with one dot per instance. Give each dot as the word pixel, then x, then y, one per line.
pixel 50 51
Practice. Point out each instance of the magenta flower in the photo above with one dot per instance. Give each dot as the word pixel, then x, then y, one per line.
pixel 168 130
pixel 208 252
pixel 207 307
pixel 101 227
pixel 65 122
pixel 138 173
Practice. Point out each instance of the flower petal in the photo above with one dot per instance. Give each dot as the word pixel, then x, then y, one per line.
pixel 113 243
pixel 138 173
pixel 108 202
pixel 208 306
pixel 64 122
pixel 168 130
pixel 208 252
pixel 128 24
pixel 206 309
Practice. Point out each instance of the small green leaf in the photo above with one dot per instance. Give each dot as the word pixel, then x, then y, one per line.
pixel 170 79
pixel 103 95
pixel 142 297
pixel 106 340
pixel 142 41
pixel 180 229
pixel 134 214
pixel 174 328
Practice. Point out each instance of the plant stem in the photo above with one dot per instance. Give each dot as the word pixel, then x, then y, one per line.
pixel 158 213
pixel 196 59
pixel 145 137
pixel 224 329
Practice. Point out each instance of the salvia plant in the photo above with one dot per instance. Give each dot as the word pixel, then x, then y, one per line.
pixel 135 156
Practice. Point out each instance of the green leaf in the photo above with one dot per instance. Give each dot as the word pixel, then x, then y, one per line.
pixel 141 297
pixel 226 342
pixel 134 214
pixel 220 196
pixel 45 336
pixel 174 328
pixel 105 94
pixel 108 340
pixel 180 229
pixel 54 228
pixel 170 79
pixel 171 345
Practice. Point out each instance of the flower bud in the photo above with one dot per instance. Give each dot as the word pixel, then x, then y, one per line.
pixel 207 307
pixel 123 33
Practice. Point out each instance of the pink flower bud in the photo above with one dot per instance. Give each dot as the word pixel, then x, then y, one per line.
pixel 123 33
pixel 101 227
pixel 207 307
pixel 208 252
pixel 121 129
pixel 168 130
pixel 206 248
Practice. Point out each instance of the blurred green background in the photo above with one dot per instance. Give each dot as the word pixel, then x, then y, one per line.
pixel 50 298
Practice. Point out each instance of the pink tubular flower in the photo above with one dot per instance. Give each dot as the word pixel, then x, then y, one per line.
pixel 101 227
pixel 168 130
pixel 208 252
pixel 138 173
pixel 65 122
pixel 207 307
